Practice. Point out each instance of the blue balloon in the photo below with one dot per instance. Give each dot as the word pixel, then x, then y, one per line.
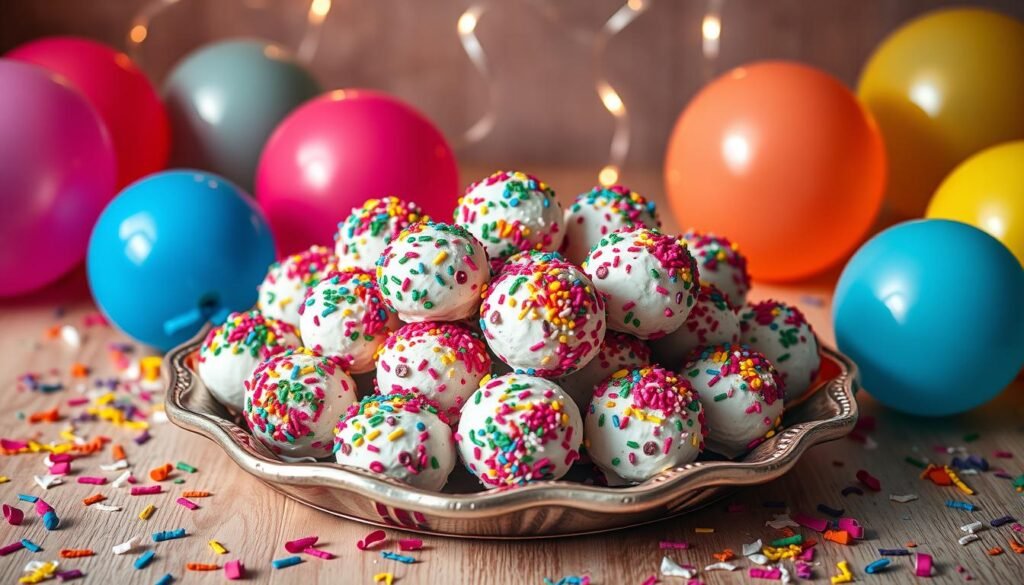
pixel 174 250
pixel 932 313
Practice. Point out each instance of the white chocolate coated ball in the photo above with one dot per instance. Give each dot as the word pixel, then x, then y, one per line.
pixel 601 211
pixel 784 336
pixel 712 321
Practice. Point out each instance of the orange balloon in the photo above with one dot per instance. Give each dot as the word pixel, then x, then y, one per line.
pixel 781 158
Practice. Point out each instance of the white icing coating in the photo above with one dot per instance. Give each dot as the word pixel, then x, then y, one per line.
pixel 433 272
pixel 648 278
pixel 601 211
pixel 363 235
pixel 722 264
pixel 712 321
pixel 510 212
pixel 441 361
pixel 742 400
pixel 543 319
pixel 642 422
pixel 284 287
pixel 345 315
pixel 233 349
pixel 401 436
pixel 294 399
pixel 516 429
pixel 618 352
pixel 784 336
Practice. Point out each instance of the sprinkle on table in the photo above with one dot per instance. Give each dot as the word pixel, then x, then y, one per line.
pixel 386 578
pixel 144 560
pixel 168 535
pixel 410 544
pixel 869 481
pixel 234 570
pixel 188 503
pixel 147 512
pixel 28 544
pixel 196 494
pixel 397 557
pixel 13 515
pixel 182 466
pixel 167 579
pixel 71 553
pixel 286 562
pixel 145 490
pixel 202 567
pixel 371 539
pixel 300 544
pixel 218 547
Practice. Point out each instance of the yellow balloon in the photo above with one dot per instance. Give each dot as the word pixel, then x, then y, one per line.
pixel 987 191
pixel 942 87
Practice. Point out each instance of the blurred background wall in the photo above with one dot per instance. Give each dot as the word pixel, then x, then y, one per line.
pixel 539 51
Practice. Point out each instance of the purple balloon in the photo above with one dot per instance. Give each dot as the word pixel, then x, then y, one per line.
pixel 57 171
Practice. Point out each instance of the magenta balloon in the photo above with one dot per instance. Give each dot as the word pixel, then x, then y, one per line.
pixel 57 171
pixel 342 148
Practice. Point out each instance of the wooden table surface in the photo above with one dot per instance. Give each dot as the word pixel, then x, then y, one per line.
pixel 253 522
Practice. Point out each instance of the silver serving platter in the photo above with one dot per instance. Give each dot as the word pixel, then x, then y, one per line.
pixel 545 509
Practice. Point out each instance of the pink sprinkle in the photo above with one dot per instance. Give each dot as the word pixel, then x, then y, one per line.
pixel 13 515
pixel 1003 454
pixel 923 565
pixel 673 545
pixel 815 524
pixel 14 546
pixel 78 401
pixel 145 490
pixel 869 480
pixel 234 570
pixel 759 573
pixel 60 457
pixel 650 580
pixel 375 537
pixel 852 526
pixel 61 468
pixel 376 467
pixel 92 480
pixel 300 544
pixel 320 554
pixel 410 544
pixel 188 503
pixel 42 507
pixel 807 554
pixel 12 445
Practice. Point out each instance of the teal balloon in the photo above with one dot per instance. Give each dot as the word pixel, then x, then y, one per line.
pixel 174 250
pixel 225 99
pixel 932 312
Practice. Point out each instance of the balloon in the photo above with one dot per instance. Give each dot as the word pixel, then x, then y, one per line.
pixel 175 249
pixel 987 191
pixel 931 312
pixel 226 98
pixel 335 152
pixel 118 90
pixel 942 87
pixel 57 171
pixel 781 158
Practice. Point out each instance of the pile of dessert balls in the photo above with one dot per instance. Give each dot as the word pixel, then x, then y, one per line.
pixel 519 337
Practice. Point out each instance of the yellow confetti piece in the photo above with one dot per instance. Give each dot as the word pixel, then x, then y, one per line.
pixel 147 512
pixel 150 367
pixel 4 479
pixel 387 578
pixel 703 530
pixel 218 547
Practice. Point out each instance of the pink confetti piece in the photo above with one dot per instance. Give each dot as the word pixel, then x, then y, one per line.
pixel 320 554
pixel 145 490
pixel 13 515
pixel 14 546
pixel 923 565
pixel 673 545
pixel 92 480
pixel 12 445
pixel 42 507
pixel 188 503
pixel 60 468
pixel 759 573
pixel 300 544
pixel 869 480
pixel 1002 454
pixel 60 458
pixel 410 544
pixel 852 526
pixel 234 570
pixel 371 539
pixel 815 524
pixel 650 580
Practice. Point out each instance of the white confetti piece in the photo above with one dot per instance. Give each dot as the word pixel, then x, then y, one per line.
pixel 126 546
pixel 34 566
pixel 759 559
pixel 902 498
pixel 752 548
pixel 969 471
pixel 973 527
pixel 47 481
pixel 106 508
pixel 122 479
pixel 71 336
pixel 670 568
pixel 721 567
pixel 781 521
pixel 158 417
pixel 119 464
pixel 969 539
pixel 785 574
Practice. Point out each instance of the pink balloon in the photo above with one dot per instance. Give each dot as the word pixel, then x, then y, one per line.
pixel 334 152
pixel 57 171
pixel 119 91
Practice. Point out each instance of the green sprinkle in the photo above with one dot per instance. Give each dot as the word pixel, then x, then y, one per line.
pixel 186 467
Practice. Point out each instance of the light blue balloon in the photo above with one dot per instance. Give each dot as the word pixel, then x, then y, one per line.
pixel 174 250
pixel 932 311
pixel 225 99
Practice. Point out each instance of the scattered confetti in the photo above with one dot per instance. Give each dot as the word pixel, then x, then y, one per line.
pixel 965 540
pixel 300 544
pixel 844 576
pixel 168 535
pixel 973 527
pixel 144 560
pixel 30 545
pixel 218 547
pixel 386 578
pixel 13 515
pixel 869 481
pixel 234 570
pixel 961 505
pixel 397 557
pixel 410 544
pixel 772 573
pixel 165 580
pixel 996 523
pixel 902 499
pixel 721 566
pixel 286 562
pixel 147 512
pixel 371 539
pixel 318 553
pixel 70 553
pixel 201 567
pixel 877 566
pixel 124 547
pixel 188 503
pixel 923 565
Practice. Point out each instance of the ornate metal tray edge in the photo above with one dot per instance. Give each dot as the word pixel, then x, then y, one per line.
pixel 827 412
